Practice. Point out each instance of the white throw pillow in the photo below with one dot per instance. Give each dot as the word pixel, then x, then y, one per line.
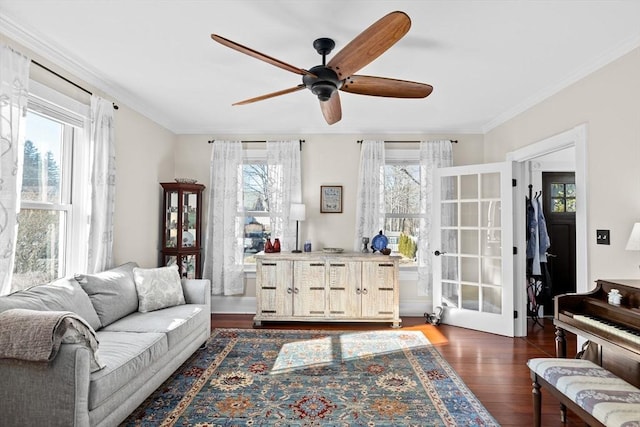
pixel 158 288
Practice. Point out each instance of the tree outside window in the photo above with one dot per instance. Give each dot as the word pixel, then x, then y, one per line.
pixel 402 209
pixel 255 197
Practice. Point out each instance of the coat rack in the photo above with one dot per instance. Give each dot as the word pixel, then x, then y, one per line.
pixel 534 286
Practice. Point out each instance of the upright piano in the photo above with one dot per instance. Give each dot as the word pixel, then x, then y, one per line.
pixel 614 328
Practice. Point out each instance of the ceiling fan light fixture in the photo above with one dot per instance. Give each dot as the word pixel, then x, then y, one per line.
pixel 323 90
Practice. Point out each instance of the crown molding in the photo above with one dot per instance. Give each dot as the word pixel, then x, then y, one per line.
pixel 530 102
pixel 33 41
pixel 30 39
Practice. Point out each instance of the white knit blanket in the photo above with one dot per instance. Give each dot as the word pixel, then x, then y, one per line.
pixel 34 335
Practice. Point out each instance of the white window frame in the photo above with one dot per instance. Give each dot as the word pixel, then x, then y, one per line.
pixel 75 185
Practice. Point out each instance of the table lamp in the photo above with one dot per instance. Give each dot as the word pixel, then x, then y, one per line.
pixel 633 244
pixel 297 213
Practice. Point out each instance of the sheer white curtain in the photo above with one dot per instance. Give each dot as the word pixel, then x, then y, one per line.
pixel 283 161
pixel 370 196
pixel 14 90
pixel 103 185
pixel 223 257
pixel 433 155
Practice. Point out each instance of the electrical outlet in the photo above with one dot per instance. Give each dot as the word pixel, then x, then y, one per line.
pixel 602 237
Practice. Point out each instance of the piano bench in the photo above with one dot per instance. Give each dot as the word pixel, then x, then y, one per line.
pixel 594 394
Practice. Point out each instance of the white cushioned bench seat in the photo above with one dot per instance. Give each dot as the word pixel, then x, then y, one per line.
pixel 600 394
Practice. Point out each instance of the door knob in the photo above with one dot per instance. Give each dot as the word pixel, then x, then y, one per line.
pixel 438 253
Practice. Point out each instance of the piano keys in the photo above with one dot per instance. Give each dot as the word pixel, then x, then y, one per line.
pixel 608 327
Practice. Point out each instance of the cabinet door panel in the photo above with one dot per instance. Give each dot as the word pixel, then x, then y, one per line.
pixel 309 296
pixel 276 293
pixel 378 289
pixel 344 280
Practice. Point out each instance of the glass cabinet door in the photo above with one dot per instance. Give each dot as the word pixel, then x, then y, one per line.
pixel 187 264
pixel 190 220
pixel 171 220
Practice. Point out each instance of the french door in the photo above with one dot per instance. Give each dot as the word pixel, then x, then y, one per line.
pixel 473 246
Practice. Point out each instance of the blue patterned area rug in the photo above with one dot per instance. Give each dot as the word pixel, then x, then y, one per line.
pixel 269 377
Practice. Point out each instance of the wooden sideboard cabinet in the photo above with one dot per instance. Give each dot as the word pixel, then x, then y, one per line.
pixel 349 287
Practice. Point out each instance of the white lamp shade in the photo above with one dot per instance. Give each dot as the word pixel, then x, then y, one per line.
pixel 633 244
pixel 297 212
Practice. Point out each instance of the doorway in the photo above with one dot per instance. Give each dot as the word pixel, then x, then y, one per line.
pixel 559 207
pixel 531 157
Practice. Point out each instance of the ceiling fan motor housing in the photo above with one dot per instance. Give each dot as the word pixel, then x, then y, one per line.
pixel 322 82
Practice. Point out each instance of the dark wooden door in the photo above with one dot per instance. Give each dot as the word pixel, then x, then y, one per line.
pixel 558 193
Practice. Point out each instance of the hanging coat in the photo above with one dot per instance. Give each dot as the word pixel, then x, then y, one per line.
pixel 532 229
pixel 543 237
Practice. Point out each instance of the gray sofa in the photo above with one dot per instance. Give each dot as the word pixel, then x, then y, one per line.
pixel 139 351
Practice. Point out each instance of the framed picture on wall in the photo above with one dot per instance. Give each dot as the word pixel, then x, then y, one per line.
pixel 331 198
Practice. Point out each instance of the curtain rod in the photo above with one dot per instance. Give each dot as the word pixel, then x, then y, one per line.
pixel 302 141
pixel 453 141
pixel 211 141
pixel 115 107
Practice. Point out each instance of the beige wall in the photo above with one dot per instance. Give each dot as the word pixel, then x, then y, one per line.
pixel 144 158
pixel 325 160
pixel 608 102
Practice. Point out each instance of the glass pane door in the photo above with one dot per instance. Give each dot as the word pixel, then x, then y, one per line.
pixel 474 255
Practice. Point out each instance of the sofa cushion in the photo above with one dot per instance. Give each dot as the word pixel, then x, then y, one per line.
pixel 112 292
pixel 176 322
pixel 158 288
pixel 60 295
pixel 125 355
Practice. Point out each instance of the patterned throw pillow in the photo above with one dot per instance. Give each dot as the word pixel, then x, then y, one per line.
pixel 158 288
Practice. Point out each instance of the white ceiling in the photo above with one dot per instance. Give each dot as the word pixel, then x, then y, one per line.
pixel 487 60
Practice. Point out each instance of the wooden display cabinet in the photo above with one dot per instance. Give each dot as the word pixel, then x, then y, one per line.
pixel 181 222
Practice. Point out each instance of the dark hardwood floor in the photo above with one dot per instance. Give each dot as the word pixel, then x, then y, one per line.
pixel 493 367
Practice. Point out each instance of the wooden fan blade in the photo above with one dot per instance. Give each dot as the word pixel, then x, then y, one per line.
pixel 258 55
pixel 332 109
pixel 382 86
pixel 271 95
pixel 370 44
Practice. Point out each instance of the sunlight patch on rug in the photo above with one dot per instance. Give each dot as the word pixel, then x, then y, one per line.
pixel 338 348
pixel 269 377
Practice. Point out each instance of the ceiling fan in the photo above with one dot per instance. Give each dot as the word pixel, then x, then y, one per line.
pixel 325 80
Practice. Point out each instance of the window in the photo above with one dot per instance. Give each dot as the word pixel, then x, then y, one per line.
pixel 270 180
pixel 402 203
pixel 255 203
pixel 563 197
pixel 50 199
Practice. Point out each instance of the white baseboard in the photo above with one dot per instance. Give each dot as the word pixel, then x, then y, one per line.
pixel 413 308
pixel 233 305
pixel 247 305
